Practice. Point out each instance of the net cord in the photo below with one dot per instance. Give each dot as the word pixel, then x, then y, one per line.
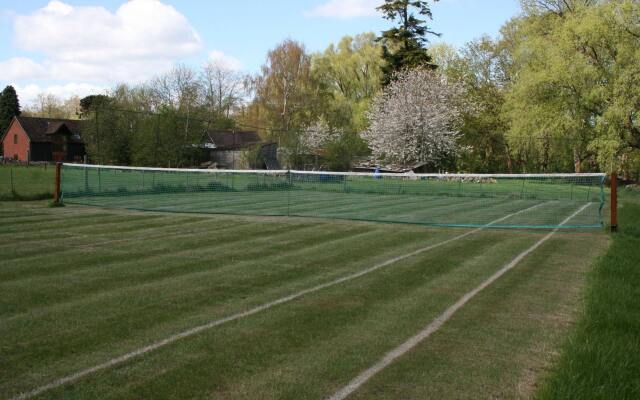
pixel 328 173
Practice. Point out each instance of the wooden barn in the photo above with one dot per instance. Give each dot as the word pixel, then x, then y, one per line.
pixel 43 139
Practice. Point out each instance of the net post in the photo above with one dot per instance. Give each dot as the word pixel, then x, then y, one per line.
pixel 288 193
pixel 614 201
pixel 56 189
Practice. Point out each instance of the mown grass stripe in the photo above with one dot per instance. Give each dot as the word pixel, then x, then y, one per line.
pixel 432 327
pixel 171 339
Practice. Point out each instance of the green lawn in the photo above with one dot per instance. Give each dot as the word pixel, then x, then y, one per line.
pixel 602 359
pixel 26 183
pixel 81 285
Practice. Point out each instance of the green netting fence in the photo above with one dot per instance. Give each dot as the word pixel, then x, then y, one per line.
pixel 502 200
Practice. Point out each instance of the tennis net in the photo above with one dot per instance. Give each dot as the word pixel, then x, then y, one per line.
pixel 466 200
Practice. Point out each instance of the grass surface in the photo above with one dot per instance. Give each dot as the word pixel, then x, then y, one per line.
pixel 602 359
pixel 79 286
pixel 26 183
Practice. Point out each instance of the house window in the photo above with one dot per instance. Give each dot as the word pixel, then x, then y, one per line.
pixel 15 139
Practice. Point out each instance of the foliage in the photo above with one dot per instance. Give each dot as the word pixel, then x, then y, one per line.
pixel 577 85
pixel 416 119
pixel 91 102
pixel 349 73
pixel 284 86
pixel 483 71
pixel 9 107
pixel 334 148
pixel 404 45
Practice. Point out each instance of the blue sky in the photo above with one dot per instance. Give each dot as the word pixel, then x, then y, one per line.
pixel 81 46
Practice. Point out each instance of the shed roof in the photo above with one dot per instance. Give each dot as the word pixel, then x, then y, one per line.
pixel 230 140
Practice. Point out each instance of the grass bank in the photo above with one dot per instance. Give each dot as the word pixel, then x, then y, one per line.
pixel 602 359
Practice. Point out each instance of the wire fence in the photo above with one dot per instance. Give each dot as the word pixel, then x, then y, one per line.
pixel 26 182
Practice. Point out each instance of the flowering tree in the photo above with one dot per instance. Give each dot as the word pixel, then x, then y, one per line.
pixel 318 136
pixel 415 119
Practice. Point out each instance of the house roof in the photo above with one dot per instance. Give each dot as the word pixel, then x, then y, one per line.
pixel 41 129
pixel 229 140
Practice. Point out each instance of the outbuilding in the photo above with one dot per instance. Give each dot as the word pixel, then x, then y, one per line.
pixel 43 139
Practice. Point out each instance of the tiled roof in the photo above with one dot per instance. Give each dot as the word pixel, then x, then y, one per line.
pixel 41 129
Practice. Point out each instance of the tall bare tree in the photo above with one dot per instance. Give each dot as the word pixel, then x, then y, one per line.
pixel 223 88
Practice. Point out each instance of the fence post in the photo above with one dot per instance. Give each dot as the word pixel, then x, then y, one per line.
pixel 13 189
pixel 614 202
pixel 56 189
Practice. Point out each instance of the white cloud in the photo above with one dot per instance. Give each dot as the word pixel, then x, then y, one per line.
pixel 345 9
pixel 27 94
pixel 21 68
pixel 89 43
pixel 225 60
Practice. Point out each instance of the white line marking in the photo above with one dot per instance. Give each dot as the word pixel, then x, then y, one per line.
pixel 190 332
pixel 331 173
pixel 440 320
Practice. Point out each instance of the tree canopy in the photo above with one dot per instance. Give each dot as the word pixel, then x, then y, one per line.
pixel 404 46
pixel 9 107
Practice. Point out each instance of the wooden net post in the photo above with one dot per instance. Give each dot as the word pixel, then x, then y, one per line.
pixel 614 202
pixel 56 189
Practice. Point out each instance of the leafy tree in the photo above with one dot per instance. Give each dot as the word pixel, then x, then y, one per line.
pixel 416 119
pixel 286 99
pixel 483 69
pixel 576 88
pixel 9 107
pixel 349 73
pixel 404 45
pixel 91 102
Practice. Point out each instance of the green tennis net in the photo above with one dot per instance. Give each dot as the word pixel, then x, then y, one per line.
pixel 466 200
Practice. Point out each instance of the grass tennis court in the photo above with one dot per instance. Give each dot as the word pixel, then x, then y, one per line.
pixel 82 285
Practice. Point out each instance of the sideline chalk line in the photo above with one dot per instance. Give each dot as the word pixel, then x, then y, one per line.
pixel 434 325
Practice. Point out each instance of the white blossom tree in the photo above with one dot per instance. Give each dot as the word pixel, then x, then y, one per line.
pixel 415 119
pixel 318 135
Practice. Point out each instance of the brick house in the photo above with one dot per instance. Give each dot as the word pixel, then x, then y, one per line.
pixel 43 139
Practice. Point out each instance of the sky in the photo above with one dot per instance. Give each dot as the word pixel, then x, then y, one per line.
pixel 81 47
